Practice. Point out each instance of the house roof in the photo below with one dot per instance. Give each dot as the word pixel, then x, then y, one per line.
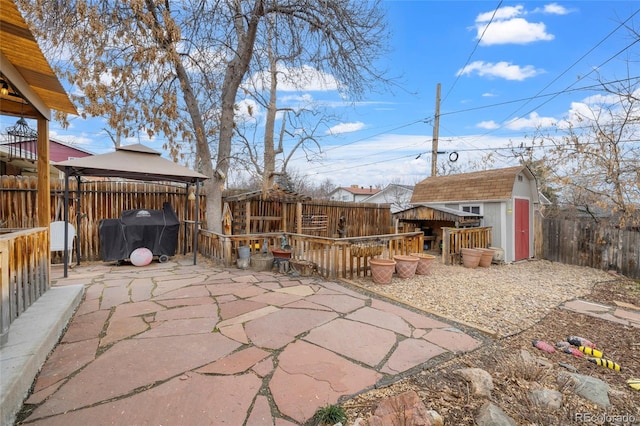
pixel 27 71
pixel 358 190
pixel 475 186
pixel 135 161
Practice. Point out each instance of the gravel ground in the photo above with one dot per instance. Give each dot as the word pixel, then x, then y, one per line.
pixel 501 300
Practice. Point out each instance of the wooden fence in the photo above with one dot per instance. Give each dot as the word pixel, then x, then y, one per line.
pixel 455 239
pixel 309 217
pixel 97 200
pixel 104 199
pixel 590 244
pixel 333 257
pixel 24 273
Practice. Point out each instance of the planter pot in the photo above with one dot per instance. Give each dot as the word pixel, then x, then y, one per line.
pixel 486 257
pixel 470 257
pixel 406 265
pixel 303 267
pixel 382 270
pixel 279 253
pixel 262 262
pixel 425 262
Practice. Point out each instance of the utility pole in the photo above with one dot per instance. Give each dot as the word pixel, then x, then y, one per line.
pixel 436 126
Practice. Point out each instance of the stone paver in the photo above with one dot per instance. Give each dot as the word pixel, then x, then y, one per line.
pixel 628 316
pixel 177 343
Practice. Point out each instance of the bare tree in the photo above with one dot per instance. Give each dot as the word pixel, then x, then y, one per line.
pixel 173 68
pixel 592 160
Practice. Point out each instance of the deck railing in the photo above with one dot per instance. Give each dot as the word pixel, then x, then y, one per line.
pixel 333 257
pixel 24 273
pixel 455 239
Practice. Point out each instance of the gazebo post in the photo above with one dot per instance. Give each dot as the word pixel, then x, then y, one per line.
pixel 195 222
pixel 184 220
pixel 66 221
pixel 78 219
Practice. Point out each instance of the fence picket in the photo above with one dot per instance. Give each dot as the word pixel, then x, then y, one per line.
pixel 593 245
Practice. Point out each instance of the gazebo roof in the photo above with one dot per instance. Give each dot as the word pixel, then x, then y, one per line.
pixel 131 162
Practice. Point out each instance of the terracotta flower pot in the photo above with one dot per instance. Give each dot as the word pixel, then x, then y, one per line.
pixel 406 265
pixel 425 262
pixel 470 257
pixel 382 270
pixel 279 253
pixel 486 258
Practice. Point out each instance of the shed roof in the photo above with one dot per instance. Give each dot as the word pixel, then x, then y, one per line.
pixel 425 212
pixel 24 67
pixel 135 161
pixel 475 186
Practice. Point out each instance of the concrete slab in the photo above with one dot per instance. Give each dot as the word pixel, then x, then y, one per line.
pixel 32 336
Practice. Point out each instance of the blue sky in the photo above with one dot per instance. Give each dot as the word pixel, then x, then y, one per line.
pixel 504 68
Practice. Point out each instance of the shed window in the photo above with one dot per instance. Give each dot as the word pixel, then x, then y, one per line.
pixel 471 209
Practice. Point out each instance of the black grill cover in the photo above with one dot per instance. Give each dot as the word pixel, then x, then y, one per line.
pixel 156 230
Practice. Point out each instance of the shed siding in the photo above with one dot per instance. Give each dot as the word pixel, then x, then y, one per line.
pixel 492 218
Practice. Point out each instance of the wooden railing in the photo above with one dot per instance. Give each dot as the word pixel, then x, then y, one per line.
pixel 24 273
pixel 455 239
pixel 333 257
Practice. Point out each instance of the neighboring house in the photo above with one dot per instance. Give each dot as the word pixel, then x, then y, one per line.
pixel 353 193
pixel 399 196
pixel 506 199
pixel 19 158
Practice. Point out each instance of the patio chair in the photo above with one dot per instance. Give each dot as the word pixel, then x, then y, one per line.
pixel 56 232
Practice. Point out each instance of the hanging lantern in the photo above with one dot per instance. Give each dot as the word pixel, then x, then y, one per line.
pixel 22 138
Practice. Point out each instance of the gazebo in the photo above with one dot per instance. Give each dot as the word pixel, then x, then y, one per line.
pixel 137 162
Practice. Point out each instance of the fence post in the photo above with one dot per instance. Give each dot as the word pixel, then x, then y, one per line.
pixel 446 246
pixel 5 318
pixel 226 250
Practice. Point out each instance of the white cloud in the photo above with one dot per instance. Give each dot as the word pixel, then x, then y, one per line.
pixel 502 13
pixel 534 121
pixel 489 125
pixel 305 78
pixel 507 26
pixel 553 9
pixel 345 128
pixel 501 69
pixel 512 31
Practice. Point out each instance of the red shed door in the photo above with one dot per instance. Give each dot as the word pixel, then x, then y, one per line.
pixel 522 229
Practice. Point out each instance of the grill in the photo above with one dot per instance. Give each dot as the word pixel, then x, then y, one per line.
pixel 156 230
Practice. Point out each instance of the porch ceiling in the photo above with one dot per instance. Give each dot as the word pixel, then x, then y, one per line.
pixel 27 72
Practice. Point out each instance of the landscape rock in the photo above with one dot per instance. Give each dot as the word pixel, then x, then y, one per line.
pixel 546 398
pixel 405 408
pixel 492 415
pixel 590 388
pixel 435 418
pixel 480 380
pixel 526 357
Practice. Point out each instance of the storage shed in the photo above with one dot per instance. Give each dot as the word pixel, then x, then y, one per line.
pixel 506 199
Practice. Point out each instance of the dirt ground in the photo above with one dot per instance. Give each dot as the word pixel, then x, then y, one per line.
pixel 445 392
